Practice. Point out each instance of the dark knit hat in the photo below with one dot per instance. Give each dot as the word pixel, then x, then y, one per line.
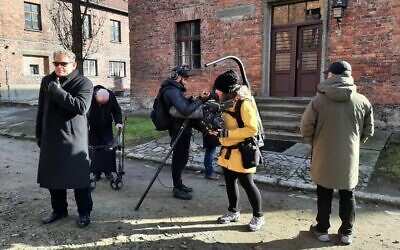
pixel 227 82
pixel 339 67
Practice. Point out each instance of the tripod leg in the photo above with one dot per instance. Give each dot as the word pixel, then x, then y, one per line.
pixel 182 128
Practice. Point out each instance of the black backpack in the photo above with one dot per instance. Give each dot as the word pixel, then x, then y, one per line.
pixel 159 115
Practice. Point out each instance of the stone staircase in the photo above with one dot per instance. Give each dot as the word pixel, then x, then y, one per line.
pixel 281 117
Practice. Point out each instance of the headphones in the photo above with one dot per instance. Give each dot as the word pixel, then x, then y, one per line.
pixel 174 73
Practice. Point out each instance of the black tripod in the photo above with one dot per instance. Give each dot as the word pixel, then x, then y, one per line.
pixel 182 128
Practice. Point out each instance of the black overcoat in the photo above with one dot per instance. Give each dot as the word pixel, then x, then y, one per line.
pixel 62 133
pixel 101 119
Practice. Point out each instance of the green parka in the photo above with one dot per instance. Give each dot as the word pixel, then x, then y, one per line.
pixel 334 122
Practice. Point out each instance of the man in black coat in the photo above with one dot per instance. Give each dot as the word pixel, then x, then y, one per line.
pixel 174 96
pixel 103 110
pixel 62 135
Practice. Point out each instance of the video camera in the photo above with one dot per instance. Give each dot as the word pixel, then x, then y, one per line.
pixel 212 113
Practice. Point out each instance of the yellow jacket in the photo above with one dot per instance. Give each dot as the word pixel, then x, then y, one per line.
pixel 236 134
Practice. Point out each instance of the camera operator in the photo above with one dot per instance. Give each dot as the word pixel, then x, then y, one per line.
pixel 230 158
pixel 174 97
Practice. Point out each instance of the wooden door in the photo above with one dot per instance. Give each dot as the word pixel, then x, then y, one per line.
pixel 295 60
pixel 283 61
pixel 308 60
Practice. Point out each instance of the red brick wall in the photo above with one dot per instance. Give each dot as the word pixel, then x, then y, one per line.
pixel 42 43
pixel 153 28
pixel 369 39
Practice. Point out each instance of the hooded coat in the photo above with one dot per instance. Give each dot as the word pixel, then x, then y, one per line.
pixel 335 122
pixel 62 132
pixel 236 135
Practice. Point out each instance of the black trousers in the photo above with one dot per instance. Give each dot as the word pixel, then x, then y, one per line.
pixel 180 157
pixel 83 200
pixel 232 190
pixel 347 204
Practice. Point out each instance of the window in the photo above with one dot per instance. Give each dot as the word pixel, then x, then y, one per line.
pixel 34 69
pixel 90 67
pixel 188 44
pixel 117 68
pixel 115 31
pixel 32 16
pixel 306 11
pixel 87 27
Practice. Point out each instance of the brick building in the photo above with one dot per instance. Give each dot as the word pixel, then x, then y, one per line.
pixel 285 46
pixel 28 38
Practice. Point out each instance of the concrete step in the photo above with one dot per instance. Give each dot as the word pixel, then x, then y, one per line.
pixel 282 107
pixel 286 100
pixel 283 136
pixel 282 126
pixel 280 116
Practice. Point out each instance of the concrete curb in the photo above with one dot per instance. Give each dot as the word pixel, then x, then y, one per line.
pixel 368 197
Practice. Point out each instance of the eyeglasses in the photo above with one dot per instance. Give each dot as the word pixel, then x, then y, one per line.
pixel 56 64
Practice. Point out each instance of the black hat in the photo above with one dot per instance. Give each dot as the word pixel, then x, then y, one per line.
pixel 227 82
pixel 180 71
pixel 339 67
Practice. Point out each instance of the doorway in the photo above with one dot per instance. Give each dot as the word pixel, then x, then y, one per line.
pixel 296 46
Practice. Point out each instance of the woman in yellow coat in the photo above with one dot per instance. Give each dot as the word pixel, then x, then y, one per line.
pixel 230 159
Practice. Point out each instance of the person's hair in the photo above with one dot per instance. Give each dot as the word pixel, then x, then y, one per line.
pixel 347 73
pixel 67 53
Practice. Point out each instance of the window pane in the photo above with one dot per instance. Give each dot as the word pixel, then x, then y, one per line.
pixel 313 11
pixel 196 62
pixel 34 8
pixel 184 48
pixel 196 47
pixel 280 15
pixel 35 24
pixel 282 61
pixel 310 38
pixel 27 7
pixel 283 40
pixel 184 30
pixel 196 28
pixel 297 13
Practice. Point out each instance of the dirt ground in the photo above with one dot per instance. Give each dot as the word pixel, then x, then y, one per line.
pixel 163 222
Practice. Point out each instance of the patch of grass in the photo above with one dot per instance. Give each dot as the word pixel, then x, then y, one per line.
pixel 388 165
pixel 140 129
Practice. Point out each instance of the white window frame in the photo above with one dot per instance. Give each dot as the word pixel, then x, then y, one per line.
pixel 90 67
pixel 117 68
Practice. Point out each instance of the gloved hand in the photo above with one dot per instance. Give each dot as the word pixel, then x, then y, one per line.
pixel 53 86
pixel 223 133
pixel 119 126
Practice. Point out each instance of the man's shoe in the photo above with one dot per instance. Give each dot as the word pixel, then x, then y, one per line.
pixel 185 188
pixel 53 217
pixel 109 177
pixel 180 194
pixel 229 217
pixel 346 239
pixel 83 221
pixel 256 223
pixel 212 176
pixel 321 236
